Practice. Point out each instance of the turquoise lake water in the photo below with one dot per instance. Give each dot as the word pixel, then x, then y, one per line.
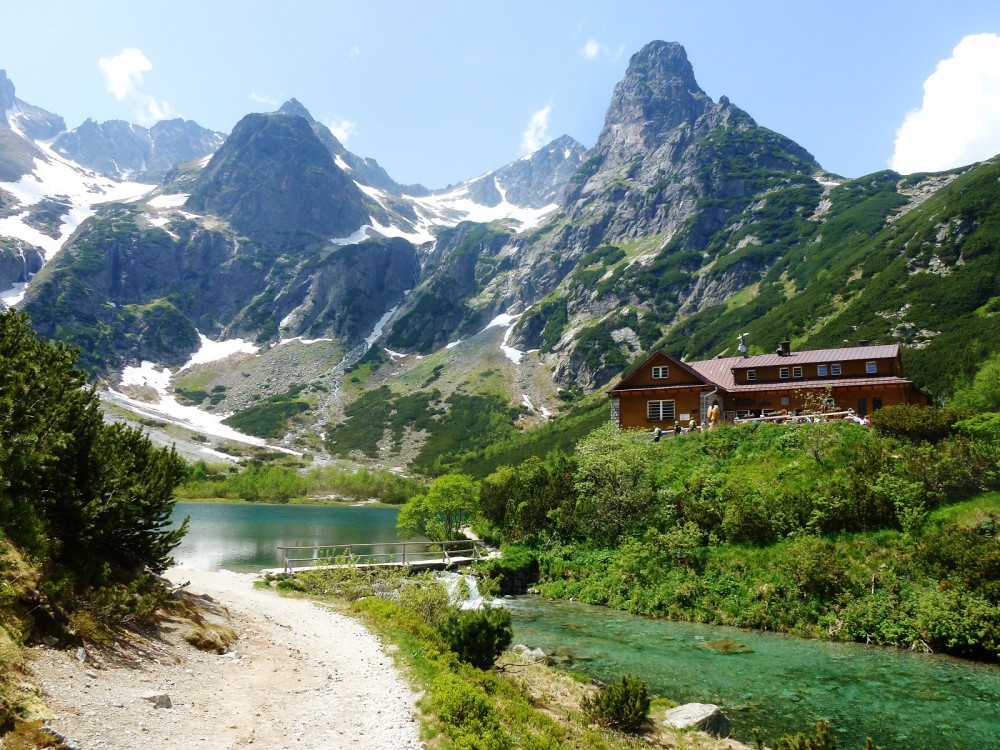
pixel 244 537
pixel 781 684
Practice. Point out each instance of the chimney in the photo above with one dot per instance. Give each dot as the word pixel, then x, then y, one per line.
pixel 863 342
pixel 786 348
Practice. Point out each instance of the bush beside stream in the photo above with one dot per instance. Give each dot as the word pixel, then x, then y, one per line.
pixel 829 530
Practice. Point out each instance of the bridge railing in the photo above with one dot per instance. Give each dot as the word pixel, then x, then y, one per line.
pixel 381 553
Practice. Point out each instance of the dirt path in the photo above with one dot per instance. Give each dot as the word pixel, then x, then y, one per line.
pixel 298 677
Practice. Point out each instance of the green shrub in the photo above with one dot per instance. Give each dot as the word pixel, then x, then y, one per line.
pixel 622 705
pixel 982 427
pixel 478 636
pixel 917 422
pixel 467 714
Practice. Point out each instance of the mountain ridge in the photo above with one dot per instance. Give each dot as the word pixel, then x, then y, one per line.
pixel 686 224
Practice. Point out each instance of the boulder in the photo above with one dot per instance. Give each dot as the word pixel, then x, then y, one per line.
pixel 704 716
pixel 160 700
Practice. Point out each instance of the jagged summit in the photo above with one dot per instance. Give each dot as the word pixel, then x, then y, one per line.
pixel 533 181
pixel 273 179
pixel 295 108
pixel 33 121
pixel 656 102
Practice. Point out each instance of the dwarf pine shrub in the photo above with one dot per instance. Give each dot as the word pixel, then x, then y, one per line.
pixel 478 636
pixel 622 705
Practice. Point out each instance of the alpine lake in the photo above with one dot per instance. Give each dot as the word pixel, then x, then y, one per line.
pixel 780 684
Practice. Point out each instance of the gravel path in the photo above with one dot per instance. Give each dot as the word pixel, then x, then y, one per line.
pixel 299 677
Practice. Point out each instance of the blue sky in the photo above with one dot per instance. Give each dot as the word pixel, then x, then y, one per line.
pixel 441 91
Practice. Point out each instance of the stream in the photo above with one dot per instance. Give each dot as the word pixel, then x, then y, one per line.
pixel 781 684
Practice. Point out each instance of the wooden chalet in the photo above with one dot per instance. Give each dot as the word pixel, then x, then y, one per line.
pixel 664 390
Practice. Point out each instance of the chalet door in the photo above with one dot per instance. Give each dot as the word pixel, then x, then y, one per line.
pixel 876 403
pixel 862 407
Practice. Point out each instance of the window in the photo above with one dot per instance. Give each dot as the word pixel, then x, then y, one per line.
pixel 784 400
pixel 821 371
pixel 796 372
pixel 871 368
pixel 783 373
pixel 660 411
pixel 835 369
pixel 661 373
pixel 751 375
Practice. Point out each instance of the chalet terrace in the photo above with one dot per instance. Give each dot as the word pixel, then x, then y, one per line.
pixel 664 390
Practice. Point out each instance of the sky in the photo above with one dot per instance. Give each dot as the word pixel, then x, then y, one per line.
pixel 444 90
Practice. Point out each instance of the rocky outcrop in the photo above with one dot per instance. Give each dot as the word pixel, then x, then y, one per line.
pixel 19 261
pixel 346 291
pixel 672 171
pixel 34 122
pixel 444 306
pixel 535 181
pixel 666 147
pixel 704 716
pixel 150 290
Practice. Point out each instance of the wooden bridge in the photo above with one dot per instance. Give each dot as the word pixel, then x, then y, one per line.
pixel 421 555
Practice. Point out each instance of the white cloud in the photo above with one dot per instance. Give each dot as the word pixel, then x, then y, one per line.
pixel 123 76
pixel 355 52
pixel 958 122
pixel 537 133
pixel 343 129
pixel 593 49
pixel 123 73
pixel 267 101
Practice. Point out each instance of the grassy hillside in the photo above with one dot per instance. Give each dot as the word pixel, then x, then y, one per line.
pixel 886 535
pixel 928 279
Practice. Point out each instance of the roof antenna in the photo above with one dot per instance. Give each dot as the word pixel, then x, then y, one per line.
pixel 742 348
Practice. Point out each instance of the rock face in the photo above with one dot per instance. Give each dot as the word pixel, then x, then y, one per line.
pixel 535 181
pixel 443 306
pixel 33 121
pixel 275 182
pixel 366 170
pixel 19 261
pixel 671 170
pixel 17 154
pixel 704 716
pixel 122 149
pixel 665 147
pixel 149 291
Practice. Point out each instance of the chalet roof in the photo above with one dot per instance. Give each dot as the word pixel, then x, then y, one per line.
pixel 844 354
pixel 625 384
pixel 834 383
pixel 719 372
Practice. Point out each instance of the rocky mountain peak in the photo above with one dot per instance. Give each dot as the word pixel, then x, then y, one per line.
pixel 295 108
pixel 6 94
pixel 534 181
pixel 35 122
pixel 658 94
pixel 274 180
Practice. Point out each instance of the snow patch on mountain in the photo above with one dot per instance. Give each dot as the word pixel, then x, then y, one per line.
pixel 448 209
pixel 379 326
pixel 174 200
pixel 213 351
pixel 506 320
pixel 60 179
pixel 167 408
